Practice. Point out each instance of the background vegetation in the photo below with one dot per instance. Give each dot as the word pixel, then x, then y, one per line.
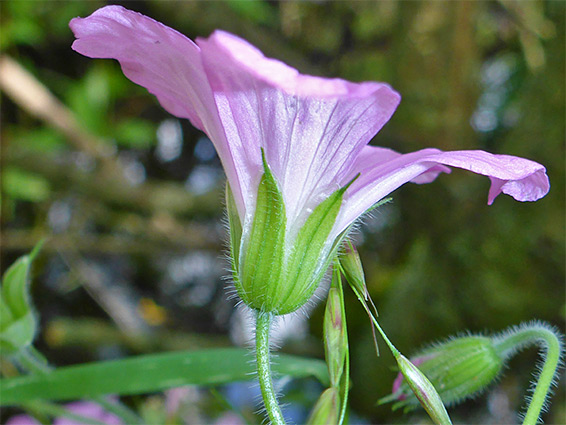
pixel 131 198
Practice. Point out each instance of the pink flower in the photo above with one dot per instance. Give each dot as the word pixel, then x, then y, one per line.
pixel 82 408
pixel 314 131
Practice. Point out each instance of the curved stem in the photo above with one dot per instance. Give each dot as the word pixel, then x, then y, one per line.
pixel 509 343
pixel 263 324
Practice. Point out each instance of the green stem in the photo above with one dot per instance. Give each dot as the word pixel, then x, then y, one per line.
pixel 509 343
pixel 346 380
pixel 34 362
pixel 346 371
pixel 392 348
pixel 263 324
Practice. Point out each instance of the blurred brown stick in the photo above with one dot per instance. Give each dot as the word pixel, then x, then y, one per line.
pixel 191 238
pixel 149 197
pixel 32 96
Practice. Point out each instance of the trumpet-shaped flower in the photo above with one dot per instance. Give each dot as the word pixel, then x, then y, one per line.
pixel 288 143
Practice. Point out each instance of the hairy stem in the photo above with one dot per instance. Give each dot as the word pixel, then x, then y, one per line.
pixel 530 334
pixel 263 324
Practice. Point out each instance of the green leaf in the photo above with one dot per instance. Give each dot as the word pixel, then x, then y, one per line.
pixel 259 12
pixel 19 184
pixel 150 373
pixel 17 325
pixel 135 133
pixel 42 139
pixel 265 248
pixel 14 287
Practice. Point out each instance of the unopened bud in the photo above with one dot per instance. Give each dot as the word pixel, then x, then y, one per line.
pixel 458 369
pixel 326 409
pixel 353 270
pixel 424 391
pixel 335 343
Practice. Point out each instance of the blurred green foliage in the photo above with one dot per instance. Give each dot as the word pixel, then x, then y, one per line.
pixel 473 75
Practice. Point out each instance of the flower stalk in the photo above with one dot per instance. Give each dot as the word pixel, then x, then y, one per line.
pixel 510 342
pixel 263 325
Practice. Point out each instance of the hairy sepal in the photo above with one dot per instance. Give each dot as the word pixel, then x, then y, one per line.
pixel 261 268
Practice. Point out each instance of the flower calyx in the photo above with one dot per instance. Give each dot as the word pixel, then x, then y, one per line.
pixel 273 273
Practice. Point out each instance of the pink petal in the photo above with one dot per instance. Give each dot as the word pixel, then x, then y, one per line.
pixel 163 61
pixel 520 178
pixel 22 420
pixel 311 128
pixel 152 55
pixel 88 410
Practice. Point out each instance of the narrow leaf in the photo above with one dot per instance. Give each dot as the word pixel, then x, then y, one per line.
pixel 150 373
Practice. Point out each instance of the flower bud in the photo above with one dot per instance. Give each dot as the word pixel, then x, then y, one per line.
pixel 326 409
pixel 424 391
pixel 335 342
pixel 353 270
pixel 458 369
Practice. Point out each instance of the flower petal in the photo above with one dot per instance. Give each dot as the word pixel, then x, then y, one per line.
pixel 310 128
pixel 88 410
pixel 165 62
pixel 520 178
pixel 151 54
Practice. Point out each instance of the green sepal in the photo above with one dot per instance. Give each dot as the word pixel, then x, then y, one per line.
pixel 235 229
pixel 378 204
pixel 17 321
pixel 305 268
pixel 262 267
